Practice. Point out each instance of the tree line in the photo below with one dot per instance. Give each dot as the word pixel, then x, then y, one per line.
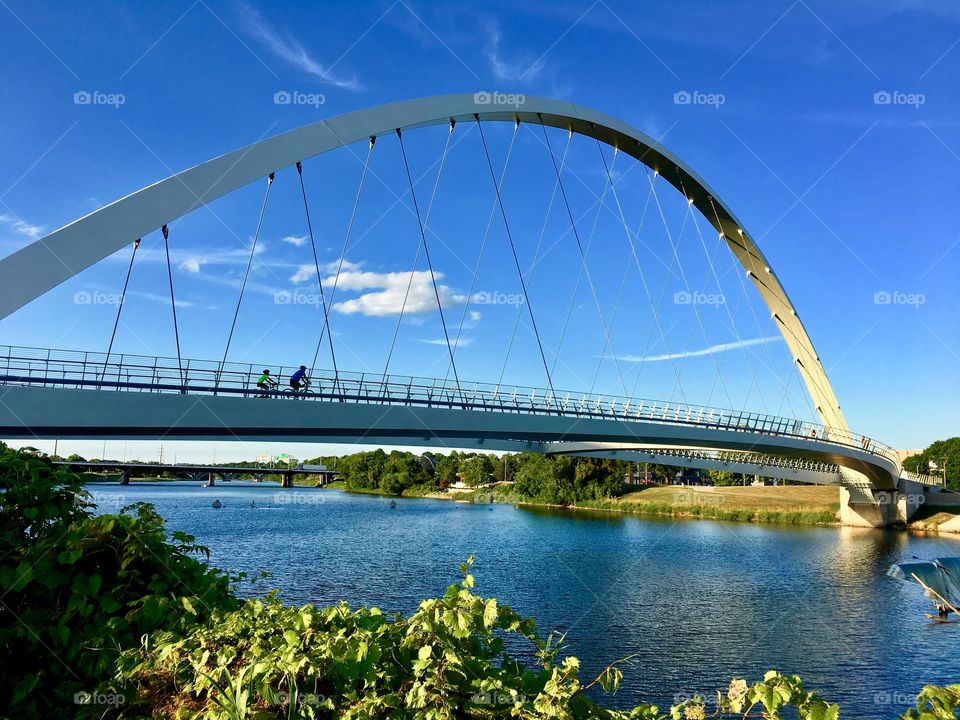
pixel 553 479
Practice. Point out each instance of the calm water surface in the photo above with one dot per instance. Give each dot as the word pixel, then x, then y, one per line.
pixel 698 601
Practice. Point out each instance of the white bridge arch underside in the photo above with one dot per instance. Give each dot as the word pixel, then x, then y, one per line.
pixel 44 264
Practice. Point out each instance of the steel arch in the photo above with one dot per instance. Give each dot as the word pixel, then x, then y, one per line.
pixel 53 259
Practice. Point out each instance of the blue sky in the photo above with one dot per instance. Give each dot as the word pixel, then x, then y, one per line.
pixel 830 130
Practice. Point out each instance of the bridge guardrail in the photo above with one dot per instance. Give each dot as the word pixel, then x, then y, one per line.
pixel 125 372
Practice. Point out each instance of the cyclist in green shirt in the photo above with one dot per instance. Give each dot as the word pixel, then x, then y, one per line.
pixel 266 383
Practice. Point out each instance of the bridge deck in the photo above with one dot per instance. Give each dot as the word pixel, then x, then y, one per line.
pixel 126 374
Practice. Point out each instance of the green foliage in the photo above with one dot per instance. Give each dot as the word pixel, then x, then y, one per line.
pixel 77 589
pixel 477 470
pixel 562 480
pixel 946 454
pixel 936 703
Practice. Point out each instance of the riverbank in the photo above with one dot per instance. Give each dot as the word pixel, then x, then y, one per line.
pixel 811 505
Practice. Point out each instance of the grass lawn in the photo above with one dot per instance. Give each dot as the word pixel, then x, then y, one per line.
pixel 783 498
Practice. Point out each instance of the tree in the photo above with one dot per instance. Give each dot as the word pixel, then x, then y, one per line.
pixel 477 470
pixel 945 454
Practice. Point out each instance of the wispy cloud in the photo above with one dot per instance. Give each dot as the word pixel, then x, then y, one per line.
pixel 462 342
pixel 165 300
pixel 21 227
pixel 295 240
pixel 722 347
pixel 502 68
pixel 290 50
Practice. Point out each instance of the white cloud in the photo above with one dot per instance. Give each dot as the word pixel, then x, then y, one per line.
pixel 390 291
pixel 474 315
pixel 295 240
pixel 303 273
pixel 21 227
pixel 722 347
pixel 191 265
pixel 503 69
pixel 292 51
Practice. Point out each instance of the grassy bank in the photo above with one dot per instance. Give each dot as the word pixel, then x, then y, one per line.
pixel 813 505
pixel 792 505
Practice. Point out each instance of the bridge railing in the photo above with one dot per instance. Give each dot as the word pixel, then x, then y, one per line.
pixel 137 373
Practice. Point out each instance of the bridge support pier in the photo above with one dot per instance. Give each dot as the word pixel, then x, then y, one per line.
pixel 863 507
pixel 125 477
pixel 286 480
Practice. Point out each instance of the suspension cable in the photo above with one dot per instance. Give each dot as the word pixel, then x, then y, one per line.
pixel 316 264
pixel 173 306
pixel 683 277
pixel 246 275
pixel 516 259
pixel 426 250
pixel 483 244
pixel 420 245
pixel 711 261
pixel 626 269
pixel 583 254
pixel 756 320
pixel 343 255
pixel 580 271
pixel 116 322
pixel 663 290
pixel 536 259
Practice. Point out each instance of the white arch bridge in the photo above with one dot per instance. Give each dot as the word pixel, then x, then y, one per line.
pixel 66 394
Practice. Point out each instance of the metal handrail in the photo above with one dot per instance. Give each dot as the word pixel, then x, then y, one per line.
pixel 65 368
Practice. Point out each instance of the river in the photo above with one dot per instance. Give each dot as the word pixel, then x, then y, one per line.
pixel 697 601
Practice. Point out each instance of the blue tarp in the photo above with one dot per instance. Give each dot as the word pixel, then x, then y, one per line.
pixel 939 574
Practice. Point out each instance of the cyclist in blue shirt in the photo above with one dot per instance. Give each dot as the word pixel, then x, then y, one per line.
pixel 299 378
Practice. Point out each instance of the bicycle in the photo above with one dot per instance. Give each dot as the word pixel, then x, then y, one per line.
pixel 303 391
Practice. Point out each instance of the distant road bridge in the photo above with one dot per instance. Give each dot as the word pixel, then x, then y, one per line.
pixel 199 472
pixel 62 394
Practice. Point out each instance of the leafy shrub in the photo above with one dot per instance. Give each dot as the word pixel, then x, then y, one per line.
pixel 77 589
